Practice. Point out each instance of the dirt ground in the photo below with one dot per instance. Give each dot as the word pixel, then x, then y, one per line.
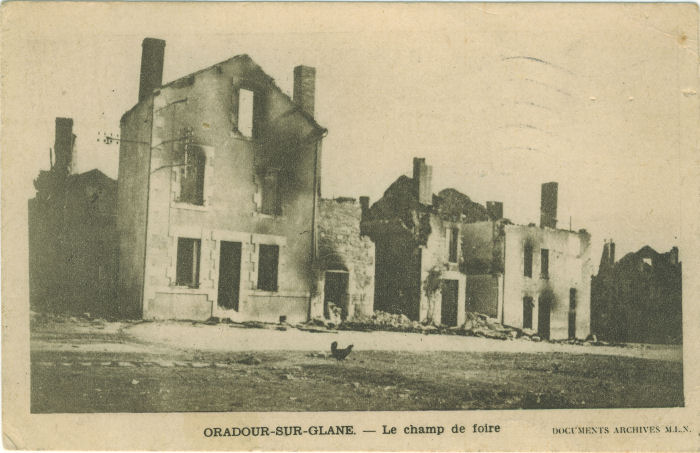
pixel 95 366
pixel 223 337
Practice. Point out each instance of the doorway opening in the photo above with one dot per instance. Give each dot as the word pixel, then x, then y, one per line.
pixel 229 275
pixel 543 315
pixel 527 312
pixel 450 296
pixel 572 313
pixel 335 294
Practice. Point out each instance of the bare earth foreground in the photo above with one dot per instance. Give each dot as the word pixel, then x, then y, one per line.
pixel 80 365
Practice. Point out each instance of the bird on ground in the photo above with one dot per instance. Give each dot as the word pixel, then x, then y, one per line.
pixel 339 354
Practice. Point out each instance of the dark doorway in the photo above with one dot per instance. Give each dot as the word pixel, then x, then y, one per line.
pixel 229 275
pixel 450 296
pixel 572 313
pixel 335 290
pixel 527 312
pixel 543 314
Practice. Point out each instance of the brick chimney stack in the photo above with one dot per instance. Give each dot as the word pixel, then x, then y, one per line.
pixel 423 179
pixel 673 255
pixel 305 88
pixel 364 204
pixel 612 252
pixel 63 145
pixel 494 210
pixel 548 205
pixel 152 53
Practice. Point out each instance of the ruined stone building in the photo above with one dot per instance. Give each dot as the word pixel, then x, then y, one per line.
pixel 638 298
pixel 439 256
pixel 346 259
pixel 418 253
pixel 73 247
pixel 219 188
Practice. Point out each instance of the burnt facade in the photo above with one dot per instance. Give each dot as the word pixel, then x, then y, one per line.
pixel 419 250
pixel 219 188
pixel 72 235
pixel 638 298
pixel 530 277
pixel 439 257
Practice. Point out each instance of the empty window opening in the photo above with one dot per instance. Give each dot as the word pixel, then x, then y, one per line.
pixel 544 263
pixel 527 270
pixel 271 193
pixel 268 262
pixel 453 242
pixel 188 251
pixel 246 101
pixel 528 305
pixel 192 176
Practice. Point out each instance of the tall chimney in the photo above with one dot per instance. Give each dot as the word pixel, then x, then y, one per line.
pixel 673 255
pixel 423 178
pixel 605 257
pixel 63 144
pixel 305 88
pixel 612 252
pixel 548 205
pixel 494 210
pixel 151 66
pixel 364 204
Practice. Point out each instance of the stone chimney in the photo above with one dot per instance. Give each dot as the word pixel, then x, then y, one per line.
pixel 423 179
pixel 494 210
pixel 305 88
pixel 364 204
pixel 548 205
pixel 607 260
pixel 63 145
pixel 612 252
pixel 152 53
pixel 673 256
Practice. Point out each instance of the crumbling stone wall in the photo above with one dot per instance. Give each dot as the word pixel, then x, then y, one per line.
pixel 638 298
pixel 342 248
pixel 73 244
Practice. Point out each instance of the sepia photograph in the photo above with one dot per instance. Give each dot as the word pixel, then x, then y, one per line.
pixel 423 207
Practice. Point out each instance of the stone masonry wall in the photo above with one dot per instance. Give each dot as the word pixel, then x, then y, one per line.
pixel 342 248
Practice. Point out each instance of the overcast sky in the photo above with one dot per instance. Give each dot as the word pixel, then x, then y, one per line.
pixel 498 98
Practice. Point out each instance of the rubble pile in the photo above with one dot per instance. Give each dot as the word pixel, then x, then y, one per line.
pixel 381 320
pixel 476 325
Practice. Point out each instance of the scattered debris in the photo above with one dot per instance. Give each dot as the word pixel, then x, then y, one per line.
pixel 134 381
pixel 200 365
pixel 164 363
pixel 250 360
pixel 335 314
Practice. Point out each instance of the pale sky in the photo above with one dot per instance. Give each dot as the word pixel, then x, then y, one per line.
pixel 498 98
